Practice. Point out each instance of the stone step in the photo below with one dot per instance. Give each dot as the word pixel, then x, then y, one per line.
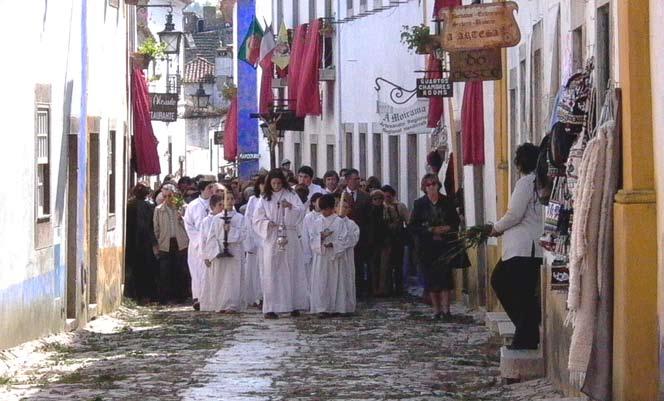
pixel 491 319
pixel 521 364
pixel 506 331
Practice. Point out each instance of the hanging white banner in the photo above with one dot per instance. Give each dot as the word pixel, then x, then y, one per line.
pixel 406 120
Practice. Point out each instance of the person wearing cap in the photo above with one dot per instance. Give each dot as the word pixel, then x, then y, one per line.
pixel 286 168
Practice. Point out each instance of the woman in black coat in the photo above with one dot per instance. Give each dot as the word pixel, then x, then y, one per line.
pixel 434 223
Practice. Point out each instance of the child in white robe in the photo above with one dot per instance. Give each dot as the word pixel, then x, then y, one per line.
pixel 349 300
pixel 328 275
pixel 307 224
pixel 223 288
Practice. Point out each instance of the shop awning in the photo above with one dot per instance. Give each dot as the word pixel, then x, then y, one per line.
pixel 230 132
pixel 472 123
pixel 308 93
pixel 145 143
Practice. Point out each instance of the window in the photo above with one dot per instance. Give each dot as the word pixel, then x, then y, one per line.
pixel 412 168
pixel 330 157
pixel 43 133
pixel 297 150
pixel 349 149
pixel 363 6
pixel 522 96
pixel 280 13
pixel 577 49
pixel 328 8
pixel 349 7
pixel 394 162
pixel 536 107
pixel 314 157
pixel 112 162
pixel 312 10
pixel 296 13
pixel 363 154
pixel 378 156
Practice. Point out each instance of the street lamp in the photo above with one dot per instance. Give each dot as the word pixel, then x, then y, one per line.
pixel 201 99
pixel 169 36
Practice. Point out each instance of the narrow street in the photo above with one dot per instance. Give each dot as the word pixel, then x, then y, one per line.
pixel 390 350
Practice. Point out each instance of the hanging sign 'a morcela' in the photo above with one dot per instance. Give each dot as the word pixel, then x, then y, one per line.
pixel 479 26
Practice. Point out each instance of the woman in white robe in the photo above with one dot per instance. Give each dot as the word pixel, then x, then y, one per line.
pixel 283 277
pixel 223 288
pixel 253 261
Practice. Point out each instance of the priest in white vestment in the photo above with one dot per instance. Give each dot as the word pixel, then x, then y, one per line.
pixel 329 243
pixel 276 219
pixel 223 250
pixel 196 211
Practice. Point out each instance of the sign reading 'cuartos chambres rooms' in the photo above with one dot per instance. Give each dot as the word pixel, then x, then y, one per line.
pixel 406 120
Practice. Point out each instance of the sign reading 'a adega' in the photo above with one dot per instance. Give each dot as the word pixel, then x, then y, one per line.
pixel 164 106
pixel 434 87
pixel 479 26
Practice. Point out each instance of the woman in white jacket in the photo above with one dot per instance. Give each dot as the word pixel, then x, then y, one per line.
pixel 516 276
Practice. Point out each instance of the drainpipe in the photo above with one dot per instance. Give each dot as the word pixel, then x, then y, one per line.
pixel 337 90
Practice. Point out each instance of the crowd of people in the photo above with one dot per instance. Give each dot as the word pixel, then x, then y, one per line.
pixel 286 242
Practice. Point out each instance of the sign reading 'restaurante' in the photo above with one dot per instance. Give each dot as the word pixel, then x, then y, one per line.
pixel 479 26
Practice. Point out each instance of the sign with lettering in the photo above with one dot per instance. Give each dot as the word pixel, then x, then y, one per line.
pixel 406 120
pixel 164 106
pixel 249 156
pixel 434 87
pixel 476 65
pixel 479 26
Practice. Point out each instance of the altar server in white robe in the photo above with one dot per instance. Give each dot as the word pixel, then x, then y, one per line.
pixel 196 211
pixel 307 224
pixel 216 207
pixel 328 276
pixel 223 288
pixel 349 300
pixel 254 248
pixel 279 213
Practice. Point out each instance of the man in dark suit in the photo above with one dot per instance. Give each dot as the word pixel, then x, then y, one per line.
pixel 359 201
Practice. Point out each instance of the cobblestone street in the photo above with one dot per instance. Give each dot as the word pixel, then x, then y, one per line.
pixel 390 350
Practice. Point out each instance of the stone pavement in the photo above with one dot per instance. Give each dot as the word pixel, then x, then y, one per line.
pixel 390 351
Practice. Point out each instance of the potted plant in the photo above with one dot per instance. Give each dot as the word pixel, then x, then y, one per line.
pixel 229 91
pixel 148 51
pixel 418 38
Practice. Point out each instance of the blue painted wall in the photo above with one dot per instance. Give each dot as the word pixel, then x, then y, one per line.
pixel 247 99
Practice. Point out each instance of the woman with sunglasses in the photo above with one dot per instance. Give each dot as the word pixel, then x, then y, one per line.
pixel 434 223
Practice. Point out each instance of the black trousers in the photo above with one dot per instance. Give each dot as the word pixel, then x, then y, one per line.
pixel 516 283
pixel 173 280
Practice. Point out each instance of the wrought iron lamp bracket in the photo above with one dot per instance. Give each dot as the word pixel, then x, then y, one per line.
pixel 398 94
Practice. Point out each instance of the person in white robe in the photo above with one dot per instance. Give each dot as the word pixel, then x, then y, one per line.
pixel 223 287
pixel 349 300
pixel 254 248
pixel 283 278
pixel 195 212
pixel 307 224
pixel 216 207
pixel 329 284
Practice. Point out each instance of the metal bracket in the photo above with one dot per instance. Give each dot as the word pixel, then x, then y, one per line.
pixel 398 94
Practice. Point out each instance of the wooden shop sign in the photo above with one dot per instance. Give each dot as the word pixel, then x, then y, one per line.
pixel 479 26
pixel 476 65
pixel 434 87
pixel 164 106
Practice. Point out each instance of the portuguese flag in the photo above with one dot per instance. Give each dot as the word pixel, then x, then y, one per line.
pixel 250 48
